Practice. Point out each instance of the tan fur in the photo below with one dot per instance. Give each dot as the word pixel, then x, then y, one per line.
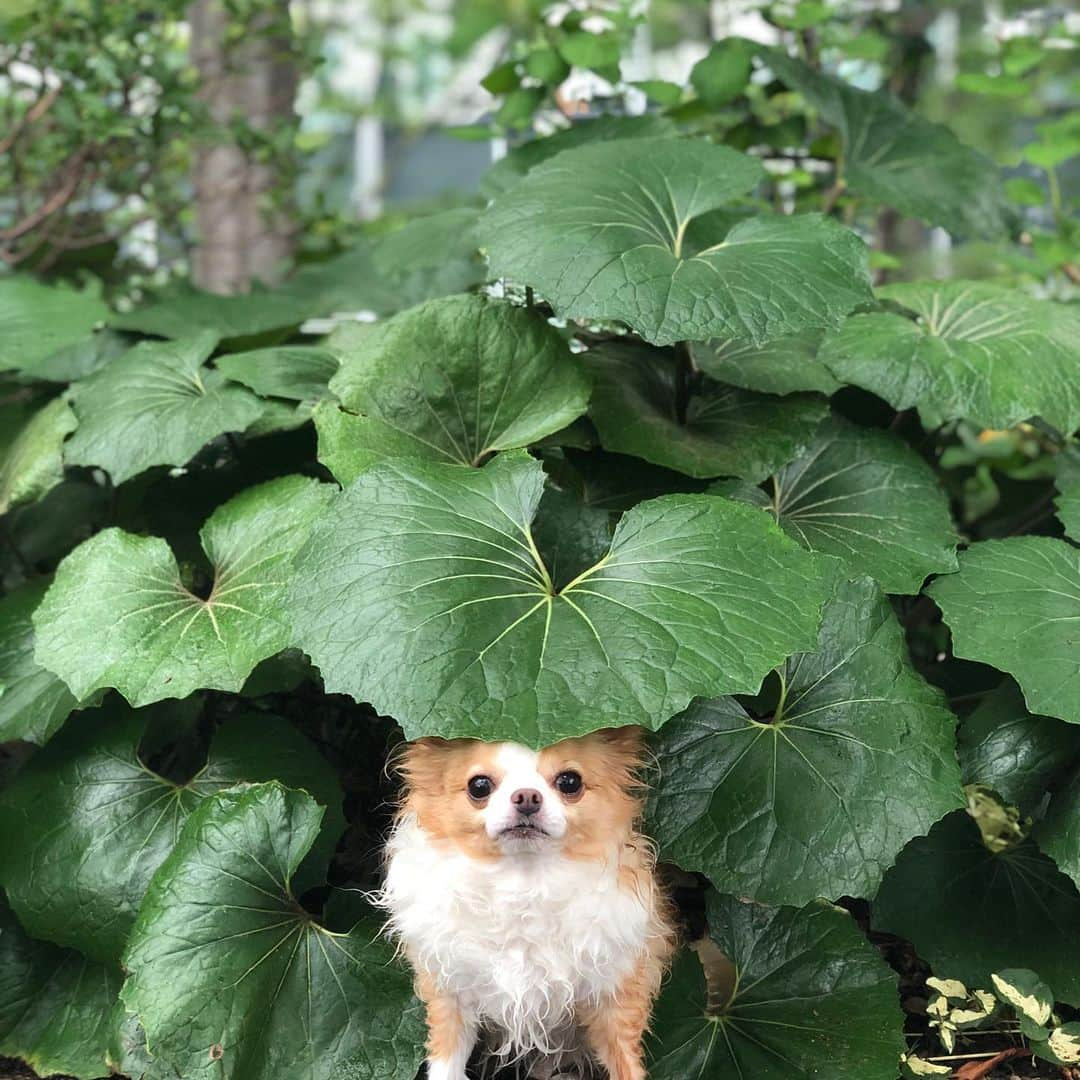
pixel 436 772
pixel 615 1028
pixel 444 1022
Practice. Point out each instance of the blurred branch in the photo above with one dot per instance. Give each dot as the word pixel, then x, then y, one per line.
pixel 31 116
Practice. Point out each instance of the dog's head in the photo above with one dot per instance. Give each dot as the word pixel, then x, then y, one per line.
pixel 497 800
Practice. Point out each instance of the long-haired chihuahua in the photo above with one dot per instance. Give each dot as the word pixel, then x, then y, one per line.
pixel 525 899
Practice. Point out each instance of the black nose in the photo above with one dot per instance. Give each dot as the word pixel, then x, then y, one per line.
pixel 526 801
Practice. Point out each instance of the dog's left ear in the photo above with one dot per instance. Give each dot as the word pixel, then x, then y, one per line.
pixel 626 740
pixel 422 763
pixel 625 748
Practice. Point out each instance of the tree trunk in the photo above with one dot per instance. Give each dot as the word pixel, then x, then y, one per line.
pixel 246 231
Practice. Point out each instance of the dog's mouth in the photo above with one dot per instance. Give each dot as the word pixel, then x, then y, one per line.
pixel 523 830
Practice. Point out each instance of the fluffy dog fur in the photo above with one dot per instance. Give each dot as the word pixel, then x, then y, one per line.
pixel 544 936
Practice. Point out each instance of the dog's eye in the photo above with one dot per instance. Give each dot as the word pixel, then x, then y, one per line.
pixel 480 787
pixel 569 782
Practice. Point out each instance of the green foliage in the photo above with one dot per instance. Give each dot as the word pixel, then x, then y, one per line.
pixel 600 248
pixel 795 800
pixel 96 95
pixel 221 908
pixel 640 407
pixel 475 640
pixel 644 440
pixel 970 910
pixel 784 957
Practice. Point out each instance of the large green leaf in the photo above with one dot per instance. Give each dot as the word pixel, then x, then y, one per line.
pixel 723 432
pixel 1015 604
pixel 895 157
pixel 1059 832
pixel 602 232
pixel 54 1004
pixel 84 357
pixel 233 980
pixel 32 464
pixel 88 823
pixel 784 366
pixel 420 591
pixel 970 911
pixel 158 404
pixel 1067 479
pixel 120 614
pixel 975 351
pixel 430 256
pixel 506 172
pixel 177 311
pixel 451 380
pixel 867 498
pixel 812 998
pixel 43 532
pixel 818 798
pixel 1003 747
pixel 38 320
pixel 34 702
pixel 296 372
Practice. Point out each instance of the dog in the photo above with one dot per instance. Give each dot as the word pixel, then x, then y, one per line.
pixel 525 900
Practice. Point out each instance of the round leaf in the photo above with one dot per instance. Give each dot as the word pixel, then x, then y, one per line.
pixel 34 702
pixel 1003 747
pixel 296 372
pixel 421 591
pixel 819 798
pixel 232 980
pixel 454 380
pixel 726 432
pixel 434 255
pixel 601 232
pixel 1015 604
pixel 801 977
pixel 867 498
pixel 38 320
pixel 156 405
pixel 88 823
pixel 970 912
pixel 975 351
pixel 32 464
pixel 506 172
pixel 783 366
pixel 1059 831
pixel 54 1004
pixel 175 312
pixel 895 157
pixel 1067 479
pixel 119 615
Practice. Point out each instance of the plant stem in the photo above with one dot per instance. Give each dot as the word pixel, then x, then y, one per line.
pixel 685 370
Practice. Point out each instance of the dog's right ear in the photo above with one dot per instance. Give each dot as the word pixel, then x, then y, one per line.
pixel 422 763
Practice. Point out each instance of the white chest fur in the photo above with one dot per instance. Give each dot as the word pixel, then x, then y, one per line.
pixel 522 942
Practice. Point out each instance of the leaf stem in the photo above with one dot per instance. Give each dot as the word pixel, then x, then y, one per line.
pixel 549 586
pixel 685 370
pixel 778 715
